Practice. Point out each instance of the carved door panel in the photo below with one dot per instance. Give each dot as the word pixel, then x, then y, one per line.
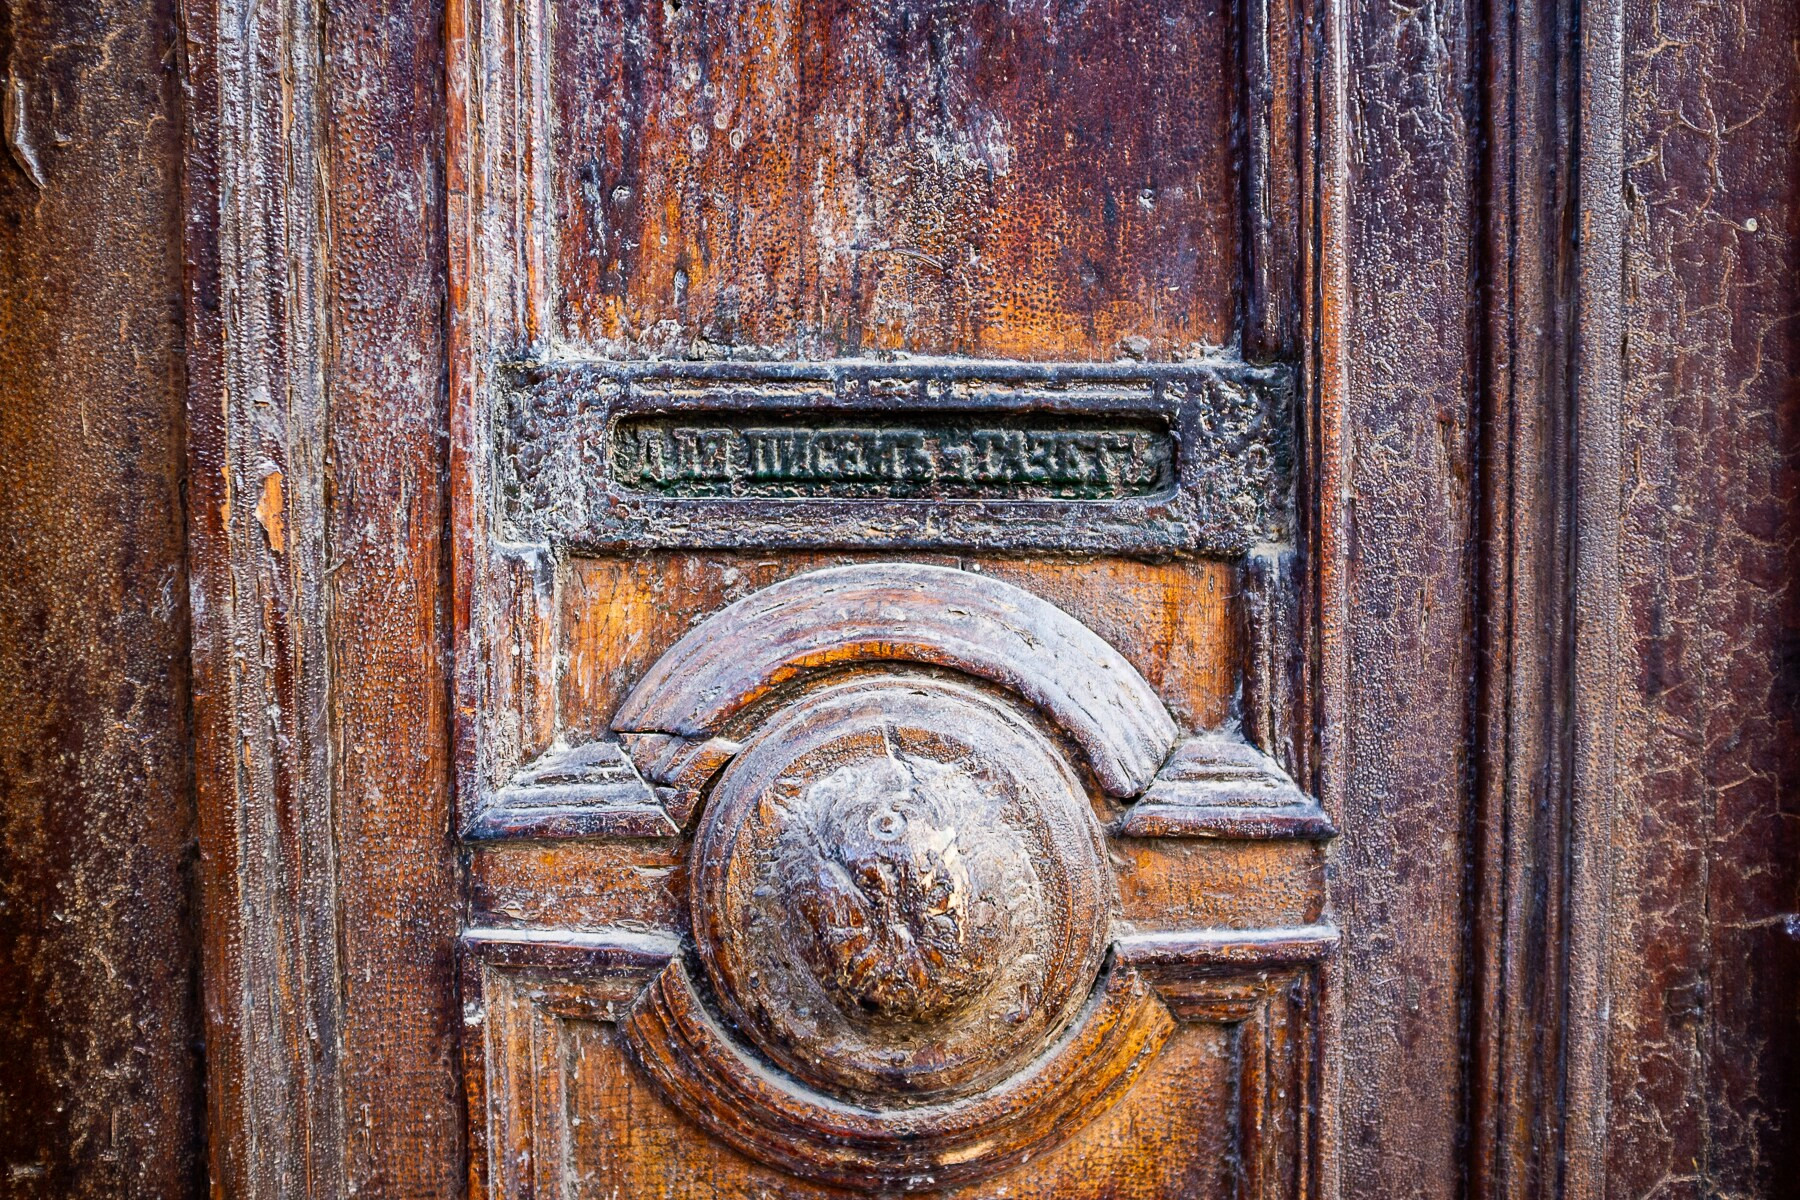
pixel 883 666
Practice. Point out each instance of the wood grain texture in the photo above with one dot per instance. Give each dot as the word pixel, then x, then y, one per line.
pixel 1219 1110
pixel 578 885
pixel 919 614
pixel 1701 1095
pixel 256 429
pixel 1170 620
pixel 100 1088
pixel 632 1135
pixel 1400 519
pixel 972 178
pixel 1540 668
pixel 315 401
pixel 704 1075
pixel 398 887
pixel 1188 884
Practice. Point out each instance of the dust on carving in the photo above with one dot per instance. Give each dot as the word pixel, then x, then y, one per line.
pixel 904 916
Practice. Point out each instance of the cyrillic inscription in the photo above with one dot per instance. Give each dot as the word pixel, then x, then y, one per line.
pixel 908 453
pixel 948 461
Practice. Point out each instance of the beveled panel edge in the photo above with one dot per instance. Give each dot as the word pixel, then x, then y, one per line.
pixel 698 1066
pixel 1259 981
pixel 618 950
pixel 612 950
pixel 1175 954
pixel 1216 786
pixel 590 790
pixel 1212 786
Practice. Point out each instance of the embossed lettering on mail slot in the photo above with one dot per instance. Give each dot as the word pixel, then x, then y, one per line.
pixel 949 460
pixel 896 454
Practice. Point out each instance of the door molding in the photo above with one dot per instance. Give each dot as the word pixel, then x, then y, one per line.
pixel 315 284
pixel 320 297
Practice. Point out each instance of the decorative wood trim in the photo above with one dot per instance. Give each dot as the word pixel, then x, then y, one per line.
pixel 1215 786
pixel 913 613
pixel 1547 700
pixel 1516 1023
pixel 256 311
pixel 1263 984
pixel 945 453
pixel 1171 955
pixel 591 790
pixel 597 952
pixel 702 1071
pixel 1274 81
pixel 1219 787
pixel 1320 740
pixel 498 309
pixel 617 963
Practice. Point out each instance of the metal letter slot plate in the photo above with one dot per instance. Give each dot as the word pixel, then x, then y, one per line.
pixel 909 453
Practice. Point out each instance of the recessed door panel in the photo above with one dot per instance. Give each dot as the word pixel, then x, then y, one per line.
pixel 881 652
pixel 1041 181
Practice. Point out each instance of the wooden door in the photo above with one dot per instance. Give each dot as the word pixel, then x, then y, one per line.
pixel 817 598
pixel 874 538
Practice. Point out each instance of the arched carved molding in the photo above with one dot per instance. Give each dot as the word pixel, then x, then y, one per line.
pixel 716 1083
pixel 911 613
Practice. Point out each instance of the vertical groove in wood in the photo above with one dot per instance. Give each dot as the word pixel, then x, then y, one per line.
pixel 1324 273
pixel 1522 751
pixel 1269 51
pixel 257 418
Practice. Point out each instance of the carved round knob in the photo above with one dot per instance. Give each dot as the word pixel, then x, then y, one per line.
pixel 900 891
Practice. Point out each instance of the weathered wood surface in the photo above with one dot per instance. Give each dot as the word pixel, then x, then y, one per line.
pixel 897 894
pixel 256 548
pixel 1212 1113
pixel 641 884
pixel 100 1092
pixel 705 1076
pixel 1399 518
pixel 1171 620
pixel 1554 582
pixel 397 884
pixel 910 613
pixel 316 406
pixel 1702 963
pixel 955 178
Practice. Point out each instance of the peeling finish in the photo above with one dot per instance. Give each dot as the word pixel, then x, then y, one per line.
pixel 1705 1098
pixel 268 512
pixel 968 177
pixel 18 132
pixel 1046 181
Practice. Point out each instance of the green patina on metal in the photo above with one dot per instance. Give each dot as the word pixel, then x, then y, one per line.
pixel 947 458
